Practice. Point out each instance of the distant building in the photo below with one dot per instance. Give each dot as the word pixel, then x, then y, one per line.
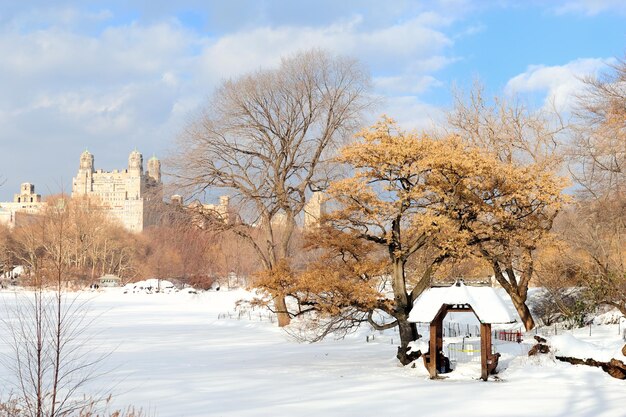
pixel 220 209
pixel 314 209
pixel 127 195
pixel 204 212
pixel 26 202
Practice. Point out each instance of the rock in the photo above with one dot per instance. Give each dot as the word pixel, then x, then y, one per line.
pixel 624 350
pixel 538 348
pixel 616 368
pixel 540 339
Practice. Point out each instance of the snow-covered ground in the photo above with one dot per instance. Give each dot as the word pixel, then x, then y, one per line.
pixel 176 355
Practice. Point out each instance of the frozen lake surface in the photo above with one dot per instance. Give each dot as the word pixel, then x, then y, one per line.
pixel 175 355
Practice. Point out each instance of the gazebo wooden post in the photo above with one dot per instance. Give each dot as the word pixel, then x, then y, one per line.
pixel 485 350
pixel 436 341
pixel 435 329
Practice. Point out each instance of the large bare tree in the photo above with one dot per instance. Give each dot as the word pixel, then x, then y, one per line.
pixel 598 154
pixel 266 137
pixel 508 128
pixel 596 231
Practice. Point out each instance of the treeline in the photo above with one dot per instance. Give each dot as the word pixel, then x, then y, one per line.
pixel 78 237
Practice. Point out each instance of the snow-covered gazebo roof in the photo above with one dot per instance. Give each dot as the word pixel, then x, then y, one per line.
pixel 484 301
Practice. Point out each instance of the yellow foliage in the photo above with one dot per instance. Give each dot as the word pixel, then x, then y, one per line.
pixel 445 189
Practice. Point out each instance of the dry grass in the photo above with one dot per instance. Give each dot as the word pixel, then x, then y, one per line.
pixel 14 407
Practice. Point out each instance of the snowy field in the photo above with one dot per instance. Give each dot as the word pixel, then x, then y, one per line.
pixel 176 355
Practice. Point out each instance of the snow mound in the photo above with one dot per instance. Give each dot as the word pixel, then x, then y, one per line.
pixel 150 282
pixel 568 345
pixel 15 272
pixel 153 285
pixel 418 345
pixel 610 317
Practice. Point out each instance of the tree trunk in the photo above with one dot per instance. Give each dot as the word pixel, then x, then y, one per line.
pixel 403 304
pixel 281 311
pixel 523 311
pixel 408 333
pixel 277 254
pixel 518 294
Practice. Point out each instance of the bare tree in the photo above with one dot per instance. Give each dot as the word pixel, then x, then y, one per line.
pixel 598 154
pixel 595 234
pixel 514 133
pixel 45 329
pixel 8 260
pixel 593 251
pixel 266 137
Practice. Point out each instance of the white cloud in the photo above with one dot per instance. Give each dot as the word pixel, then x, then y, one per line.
pixel 559 83
pixel 45 17
pixel 591 7
pixel 66 86
pixel 405 84
pixel 407 43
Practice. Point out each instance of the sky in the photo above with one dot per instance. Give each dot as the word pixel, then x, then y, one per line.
pixel 121 75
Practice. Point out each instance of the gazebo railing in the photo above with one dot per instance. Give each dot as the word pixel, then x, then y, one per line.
pixel 466 351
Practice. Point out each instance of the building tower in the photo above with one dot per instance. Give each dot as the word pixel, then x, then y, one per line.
pixel 223 208
pixel 135 163
pixel 130 196
pixel 82 182
pixel 86 162
pixel 135 181
pixel 27 201
pixel 27 194
pixel 154 169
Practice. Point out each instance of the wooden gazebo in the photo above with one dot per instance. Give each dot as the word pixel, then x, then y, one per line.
pixel 435 303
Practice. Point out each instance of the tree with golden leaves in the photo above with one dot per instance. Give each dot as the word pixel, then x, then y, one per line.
pixel 335 285
pixel 388 202
pixel 412 192
pixel 504 214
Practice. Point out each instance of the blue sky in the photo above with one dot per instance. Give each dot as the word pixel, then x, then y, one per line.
pixel 118 75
